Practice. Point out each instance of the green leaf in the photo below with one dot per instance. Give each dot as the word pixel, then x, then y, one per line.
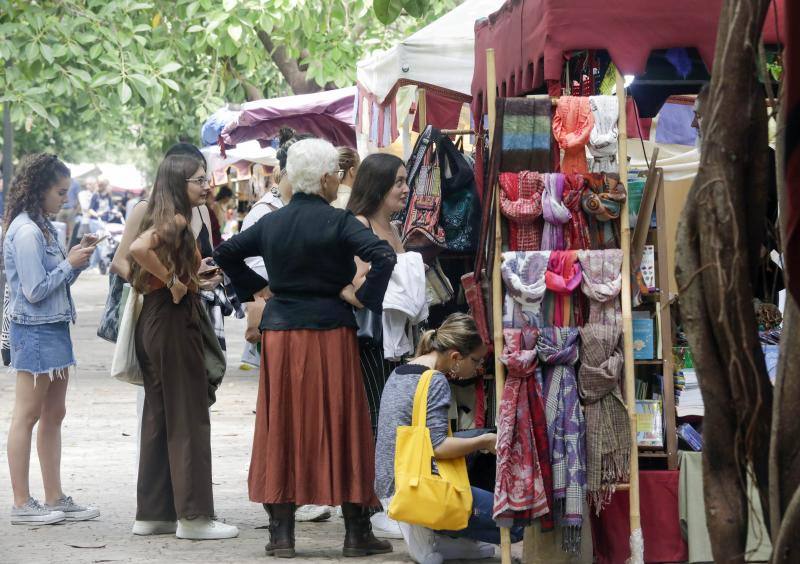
pixel 387 11
pixel 415 8
pixel 124 92
pixel 47 52
pixel 82 74
pixel 170 67
pixel 235 32
pixel 31 52
pixel 195 28
pixel 229 5
pixel 142 28
pixel 171 84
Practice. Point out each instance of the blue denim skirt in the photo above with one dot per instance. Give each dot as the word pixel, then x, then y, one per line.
pixel 41 349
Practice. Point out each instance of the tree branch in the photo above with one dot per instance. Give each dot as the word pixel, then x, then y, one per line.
pixel 290 68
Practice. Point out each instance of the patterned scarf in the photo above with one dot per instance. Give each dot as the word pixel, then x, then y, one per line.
pixel 572 125
pixel 608 438
pixel 602 282
pixel 577 232
pixel 566 429
pixel 562 278
pixel 521 204
pixel 603 203
pixel 526 133
pixel 603 138
pixel 555 213
pixel 519 493
pixel 524 278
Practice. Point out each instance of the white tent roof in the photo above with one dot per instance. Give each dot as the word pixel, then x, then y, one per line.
pixel 441 54
pixel 248 151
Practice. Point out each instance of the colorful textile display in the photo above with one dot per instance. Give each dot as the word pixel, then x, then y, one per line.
pixel 604 135
pixel 524 278
pixel 562 278
pixel 602 201
pixel 566 430
pixel 521 204
pixel 608 437
pixel 572 125
pixel 576 235
pixel 519 489
pixel 526 134
pixel 554 212
pixel 602 282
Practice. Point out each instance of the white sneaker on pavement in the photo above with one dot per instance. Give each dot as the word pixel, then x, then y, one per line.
pixel 72 511
pixel 146 528
pixel 34 513
pixel 312 513
pixel 385 528
pixel 204 528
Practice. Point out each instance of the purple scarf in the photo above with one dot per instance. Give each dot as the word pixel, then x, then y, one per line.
pixel 555 213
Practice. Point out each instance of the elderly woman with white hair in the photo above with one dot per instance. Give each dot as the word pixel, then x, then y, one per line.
pixel 313 440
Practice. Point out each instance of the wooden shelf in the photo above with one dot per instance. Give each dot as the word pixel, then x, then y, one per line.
pixel 652 453
pixel 655 361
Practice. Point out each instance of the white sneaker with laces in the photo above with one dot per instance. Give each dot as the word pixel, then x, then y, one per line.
pixel 147 528
pixel 72 511
pixel 312 513
pixel 34 513
pixel 204 528
pixel 385 528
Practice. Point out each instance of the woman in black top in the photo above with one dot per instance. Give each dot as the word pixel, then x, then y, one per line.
pixel 313 440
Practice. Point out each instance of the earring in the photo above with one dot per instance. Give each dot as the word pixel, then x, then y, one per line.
pixel 454 369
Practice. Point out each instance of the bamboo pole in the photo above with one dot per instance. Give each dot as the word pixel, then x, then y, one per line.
pixel 637 555
pixel 497 282
pixel 422 109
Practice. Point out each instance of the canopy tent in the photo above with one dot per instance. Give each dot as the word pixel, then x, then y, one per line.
pixel 122 178
pixel 250 151
pixel 327 114
pixel 438 57
pixel 531 37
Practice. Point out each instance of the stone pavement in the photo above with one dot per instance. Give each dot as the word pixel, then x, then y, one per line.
pixel 98 467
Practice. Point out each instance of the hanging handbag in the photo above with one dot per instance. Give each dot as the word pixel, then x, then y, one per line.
pixel 109 322
pixel 461 211
pixel 213 356
pixel 5 343
pixel 422 232
pixel 125 365
pixel 429 492
pixel 438 289
pixel 370 324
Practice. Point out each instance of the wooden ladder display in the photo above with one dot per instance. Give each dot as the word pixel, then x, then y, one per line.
pixel 627 319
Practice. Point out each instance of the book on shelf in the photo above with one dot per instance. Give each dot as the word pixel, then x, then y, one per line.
pixel 649 424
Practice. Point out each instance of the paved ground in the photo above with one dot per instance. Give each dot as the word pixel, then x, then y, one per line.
pixel 99 453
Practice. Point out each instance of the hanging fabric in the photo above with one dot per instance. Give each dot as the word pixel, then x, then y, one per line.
pixel 521 204
pixel 525 142
pixel 562 278
pixel 519 493
pixel 604 135
pixel 602 282
pixel 602 201
pixel 536 402
pixel 554 212
pixel 608 438
pixel 524 278
pixel 572 125
pixel 576 234
pixel 566 430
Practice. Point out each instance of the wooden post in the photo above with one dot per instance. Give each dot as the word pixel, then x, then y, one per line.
pixel 422 110
pixel 406 137
pixel 627 317
pixel 497 282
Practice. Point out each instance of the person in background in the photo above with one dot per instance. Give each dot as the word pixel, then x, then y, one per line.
pixel 132 203
pixel 85 201
pixel 39 275
pixel 69 211
pixel 348 166
pixel 102 205
pixel 454 351
pixel 219 210
pixel 174 479
pixel 312 441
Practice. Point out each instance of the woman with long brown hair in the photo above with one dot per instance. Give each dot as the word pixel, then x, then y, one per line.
pixel 175 458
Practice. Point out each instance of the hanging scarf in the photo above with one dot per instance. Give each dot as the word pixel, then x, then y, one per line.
pixel 603 138
pixel 555 213
pixel 521 204
pixel 602 282
pixel 566 430
pixel 603 203
pixel 519 493
pixel 562 278
pixel 608 437
pixel 536 401
pixel 526 126
pixel 577 232
pixel 524 278
pixel 572 125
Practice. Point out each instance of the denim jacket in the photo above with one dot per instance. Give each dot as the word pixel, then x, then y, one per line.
pixel 38 274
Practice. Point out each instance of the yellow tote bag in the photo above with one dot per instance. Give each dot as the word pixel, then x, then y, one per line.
pixel 428 492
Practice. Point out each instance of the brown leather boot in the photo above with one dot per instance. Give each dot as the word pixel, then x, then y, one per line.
pixel 358 539
pixel 281 530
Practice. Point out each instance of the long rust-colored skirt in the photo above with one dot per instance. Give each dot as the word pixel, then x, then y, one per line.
pixel 313 441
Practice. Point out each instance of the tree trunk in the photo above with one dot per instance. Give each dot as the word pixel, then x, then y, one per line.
pixel 295 76
pixel 720 237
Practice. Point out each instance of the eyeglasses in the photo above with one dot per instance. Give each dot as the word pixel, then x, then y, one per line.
pixel 202 180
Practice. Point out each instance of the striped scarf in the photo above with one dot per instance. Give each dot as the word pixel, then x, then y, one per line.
pixel 562 278
pixel 526 126
pixel 602 282
pixel 566 429
pixel 608 438
pixel 577 232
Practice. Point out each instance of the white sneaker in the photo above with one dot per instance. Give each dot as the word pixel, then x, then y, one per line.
pixel 204 528
pixel 462 549
pixel 146 528
pixel 339 512
pixel 312 513
pixel 72 510
pixel 34 513
pixel 385 528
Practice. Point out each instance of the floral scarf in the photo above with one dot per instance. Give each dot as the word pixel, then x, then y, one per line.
pixel 602 282
pixel 524 278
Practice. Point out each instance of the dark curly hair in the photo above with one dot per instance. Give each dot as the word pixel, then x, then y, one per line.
pixel 35 176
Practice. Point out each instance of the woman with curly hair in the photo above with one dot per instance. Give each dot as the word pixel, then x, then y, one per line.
pixel 39 275
pixel 174 482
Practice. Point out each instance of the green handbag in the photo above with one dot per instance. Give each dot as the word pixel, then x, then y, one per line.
pixel 213 356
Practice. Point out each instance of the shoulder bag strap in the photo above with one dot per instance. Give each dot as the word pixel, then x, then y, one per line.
pixel 419 418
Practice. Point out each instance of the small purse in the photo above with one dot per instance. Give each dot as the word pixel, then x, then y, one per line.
pixel 109 322
pixel 370 324
pixel 213 356
pixel 125 365
pixel 438 289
